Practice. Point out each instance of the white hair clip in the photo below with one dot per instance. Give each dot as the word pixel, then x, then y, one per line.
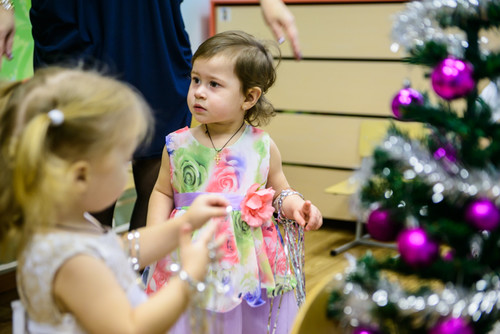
pixel 56 117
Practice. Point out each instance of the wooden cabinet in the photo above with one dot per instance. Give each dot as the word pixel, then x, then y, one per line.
pixel 348 75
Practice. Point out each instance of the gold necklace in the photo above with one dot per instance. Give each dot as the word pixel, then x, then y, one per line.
pixel 217 151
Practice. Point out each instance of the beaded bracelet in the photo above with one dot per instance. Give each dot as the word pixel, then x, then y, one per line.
pixel 7 5
pixel 279 201
pixel 134 249
pixel 193 284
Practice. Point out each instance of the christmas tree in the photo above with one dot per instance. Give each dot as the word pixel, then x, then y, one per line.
pixel 437 197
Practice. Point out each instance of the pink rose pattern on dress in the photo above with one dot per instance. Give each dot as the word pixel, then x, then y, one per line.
pixel 160 275
pixel 224 180
pixel 279 266
pixel 230 251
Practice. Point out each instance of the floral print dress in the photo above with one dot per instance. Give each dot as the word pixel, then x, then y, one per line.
pixel 254 258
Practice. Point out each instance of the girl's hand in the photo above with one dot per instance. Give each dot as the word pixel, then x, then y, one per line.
pixel 308 216
pixel 7 31
pixel 281 21
pixel 195 256
pixel 205 207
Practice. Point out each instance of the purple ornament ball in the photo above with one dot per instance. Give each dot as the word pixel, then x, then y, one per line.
pixel 453 78
pixel 452 326
pixel 449 256
pixel 416 249
pixel 483 214
pixel 381 226
pixel 447 152
pixel 404 98
pixel 365 330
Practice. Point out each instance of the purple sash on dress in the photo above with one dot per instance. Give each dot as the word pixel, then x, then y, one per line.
pixel 186 199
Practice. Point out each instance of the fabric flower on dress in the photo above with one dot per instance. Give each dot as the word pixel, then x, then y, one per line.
pixel 257 205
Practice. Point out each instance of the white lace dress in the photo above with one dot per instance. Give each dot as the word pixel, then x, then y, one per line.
pixel 42 259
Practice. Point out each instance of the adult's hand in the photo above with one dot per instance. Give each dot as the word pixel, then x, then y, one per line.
pixel 282 23
pixel 7 31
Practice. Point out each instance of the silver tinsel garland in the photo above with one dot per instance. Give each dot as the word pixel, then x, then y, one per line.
pixel 448 179
pixel 425 309
pixel 418 24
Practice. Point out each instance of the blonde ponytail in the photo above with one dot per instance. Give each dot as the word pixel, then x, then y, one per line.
pixel 33 176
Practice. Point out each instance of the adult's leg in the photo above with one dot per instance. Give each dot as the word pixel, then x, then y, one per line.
pixel 145 173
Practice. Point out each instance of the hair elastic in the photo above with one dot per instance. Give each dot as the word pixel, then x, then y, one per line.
pixel 56 117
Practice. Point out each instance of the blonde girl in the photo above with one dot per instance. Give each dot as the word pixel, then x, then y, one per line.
pixel 226 154
pixel 66 138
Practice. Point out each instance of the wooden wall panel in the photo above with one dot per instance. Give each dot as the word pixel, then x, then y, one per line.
pixel 346 87
pixel 325 30
pixel 311 182
pixel 319 140
pixel 330 140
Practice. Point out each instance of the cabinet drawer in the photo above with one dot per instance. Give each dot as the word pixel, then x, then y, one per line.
pixel 311 182
pixel 325 30
pixel 346 87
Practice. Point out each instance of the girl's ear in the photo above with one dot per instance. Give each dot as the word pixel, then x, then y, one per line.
pixel 80 175
pixel 251 98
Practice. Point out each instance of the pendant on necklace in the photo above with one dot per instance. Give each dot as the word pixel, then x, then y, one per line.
pixel 217 158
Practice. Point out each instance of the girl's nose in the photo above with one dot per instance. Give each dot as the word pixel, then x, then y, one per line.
pixel 199 91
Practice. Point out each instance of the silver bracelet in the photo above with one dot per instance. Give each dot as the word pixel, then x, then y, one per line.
pixel 279 202
pixel 134 249
pixel 193 284
pixel 7 5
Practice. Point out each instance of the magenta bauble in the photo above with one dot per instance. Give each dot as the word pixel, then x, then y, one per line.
pixel 365 330
pixel 404 98
pixel 453 78
pixel 452 326
pixel 447 151
pixel 416 248
pixel 449 256
pixel 381 226
pixel 483 214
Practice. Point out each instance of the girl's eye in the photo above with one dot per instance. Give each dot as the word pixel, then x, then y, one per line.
pixel 196 80
pixel 214 84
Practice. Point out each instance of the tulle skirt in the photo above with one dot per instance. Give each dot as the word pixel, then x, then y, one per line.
pixel 244 319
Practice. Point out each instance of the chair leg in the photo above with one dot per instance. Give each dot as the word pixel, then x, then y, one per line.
pixel 360 239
